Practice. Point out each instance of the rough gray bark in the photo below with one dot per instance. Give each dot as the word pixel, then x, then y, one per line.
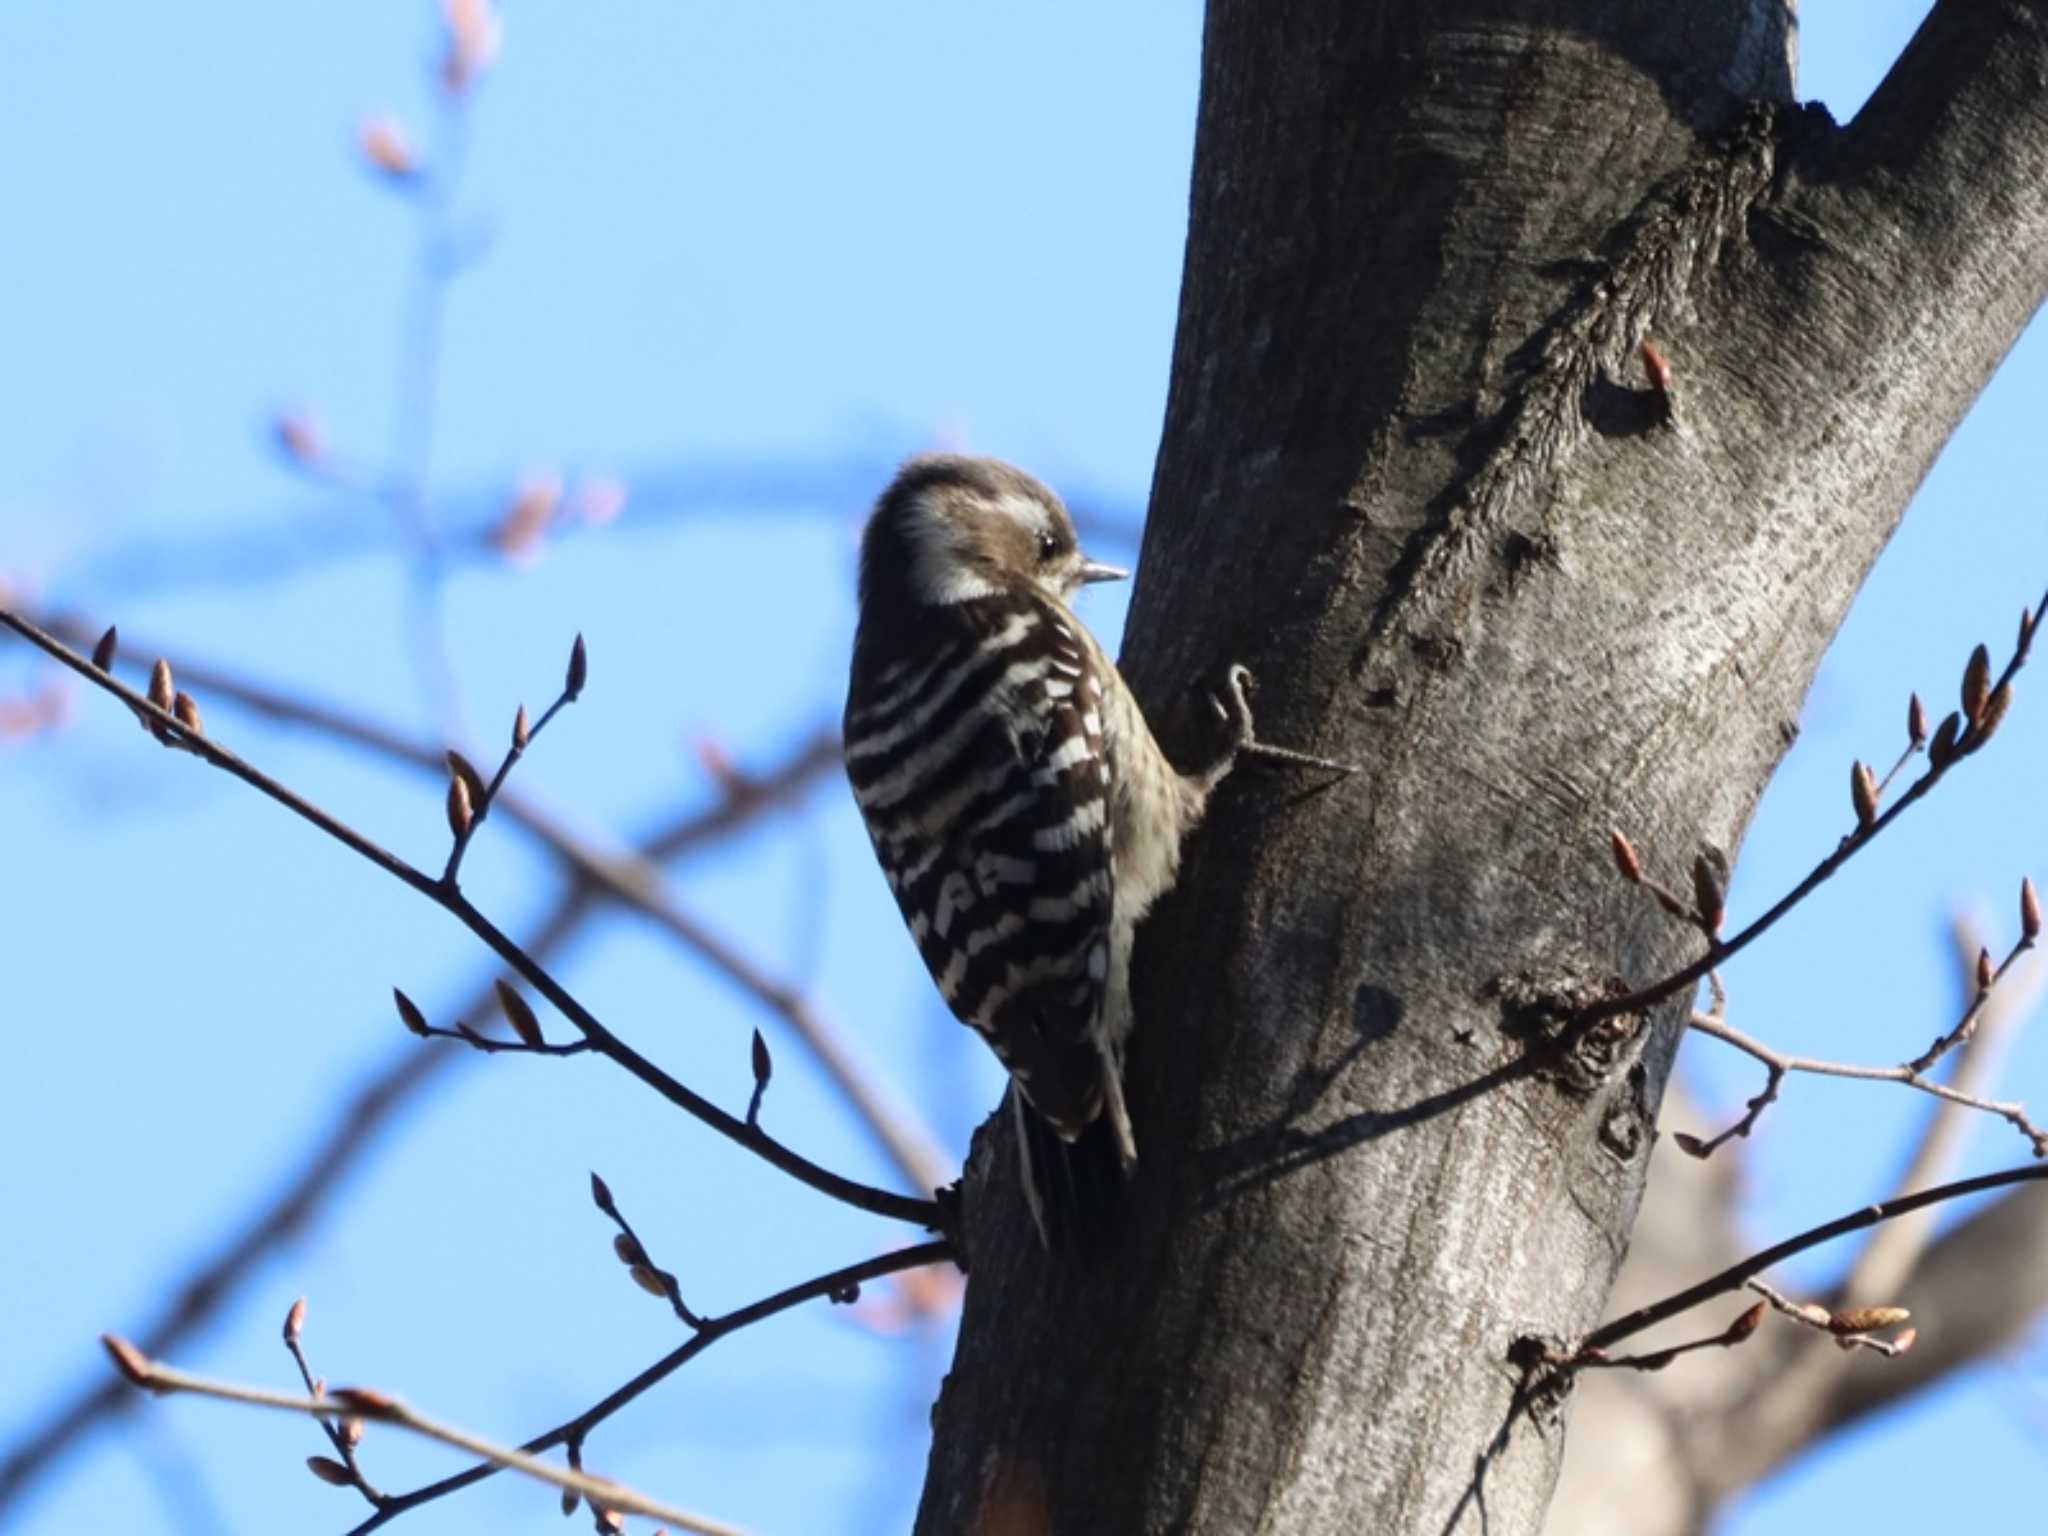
pixel 1411 475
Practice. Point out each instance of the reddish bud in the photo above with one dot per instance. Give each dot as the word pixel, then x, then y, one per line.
pixel 461 768
pixel 187 711
pixel 328 1470
pixel 518 533
pixel 519 1014
pixel 1657 367
pixel 570 1499
pixel 1916 720
pixel 2030 911
pixel 1941 751
pixel 461 811
pixel 103 653
pixel 162 692
pixel 649 1279
pixel 386 146
pixel 1994 711
pixel 522 731
pixel 579 670
pixel 378 1405
pixel 300 437
pixel 474 36
pixel 352 1433
pixel 409 1013
pixel 1689 1144
pixel 295 1321
pixel 764 1067
pixel 1746 1324
pixel 628 1249
pixel 1985 973
pixel 1903 1340
pixel 601 1196
pixel 1867 1319
pixel 1625 859
pixel 1976 684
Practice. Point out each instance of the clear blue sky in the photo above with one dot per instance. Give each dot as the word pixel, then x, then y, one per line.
pixel 741 258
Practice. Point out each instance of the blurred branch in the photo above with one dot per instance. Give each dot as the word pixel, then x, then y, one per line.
pixel 310 534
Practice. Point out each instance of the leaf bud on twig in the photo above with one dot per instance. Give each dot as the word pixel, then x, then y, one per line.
pixel 1867 1319
pixel 579 670
pixel 1994 711
pixel 330 1471
pixel 1941 751
pixel 1916 721
pixel 519 1014
pixel 1707 894
pixel 460 767
pixel 1976 684
pixel 1746 1324
pixel 295 1321
pixel 409 1014
pixel 460 810
pixel 1863 793
pixel 103 652
pixel 162 692
pixel 2030 911
pixel 1625 859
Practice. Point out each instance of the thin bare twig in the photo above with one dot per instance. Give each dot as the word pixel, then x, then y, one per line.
pixel 572 1432
pixel 1895 1248
pixel 1953 742
pixel 1739 1274
pixel 1779 1064
pixel 377 1407
pixel 342 1434
pixel 169 728
pixel 635 880
pixel 212 1281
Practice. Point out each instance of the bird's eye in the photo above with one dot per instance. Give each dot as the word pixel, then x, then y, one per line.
pixel 1048 546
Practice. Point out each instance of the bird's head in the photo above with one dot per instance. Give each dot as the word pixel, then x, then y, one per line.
pixel 950 529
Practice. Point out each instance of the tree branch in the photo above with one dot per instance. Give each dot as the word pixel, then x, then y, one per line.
pixel 378 1408
pixel 633 879
pixel 171 730
pixel 1739 1274
pixel 708 1332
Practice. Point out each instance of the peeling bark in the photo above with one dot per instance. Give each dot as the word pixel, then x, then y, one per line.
pixel 1413 474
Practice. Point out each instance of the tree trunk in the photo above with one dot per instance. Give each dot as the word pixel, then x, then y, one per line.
pixel 1413 474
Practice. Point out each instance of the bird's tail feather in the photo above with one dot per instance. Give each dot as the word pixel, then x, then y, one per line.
pixel 1073 1188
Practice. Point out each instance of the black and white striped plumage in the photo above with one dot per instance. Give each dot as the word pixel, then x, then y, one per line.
pixel 1023 814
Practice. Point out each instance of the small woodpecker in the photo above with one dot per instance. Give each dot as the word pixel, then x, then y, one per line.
pixel 1023 814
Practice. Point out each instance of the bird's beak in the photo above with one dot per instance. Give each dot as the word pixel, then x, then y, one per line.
pixel 1095 570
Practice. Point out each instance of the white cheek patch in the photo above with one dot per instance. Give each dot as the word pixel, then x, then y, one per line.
pixel 937 571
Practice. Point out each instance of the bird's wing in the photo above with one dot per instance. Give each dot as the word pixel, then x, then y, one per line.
pixel 1005 877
